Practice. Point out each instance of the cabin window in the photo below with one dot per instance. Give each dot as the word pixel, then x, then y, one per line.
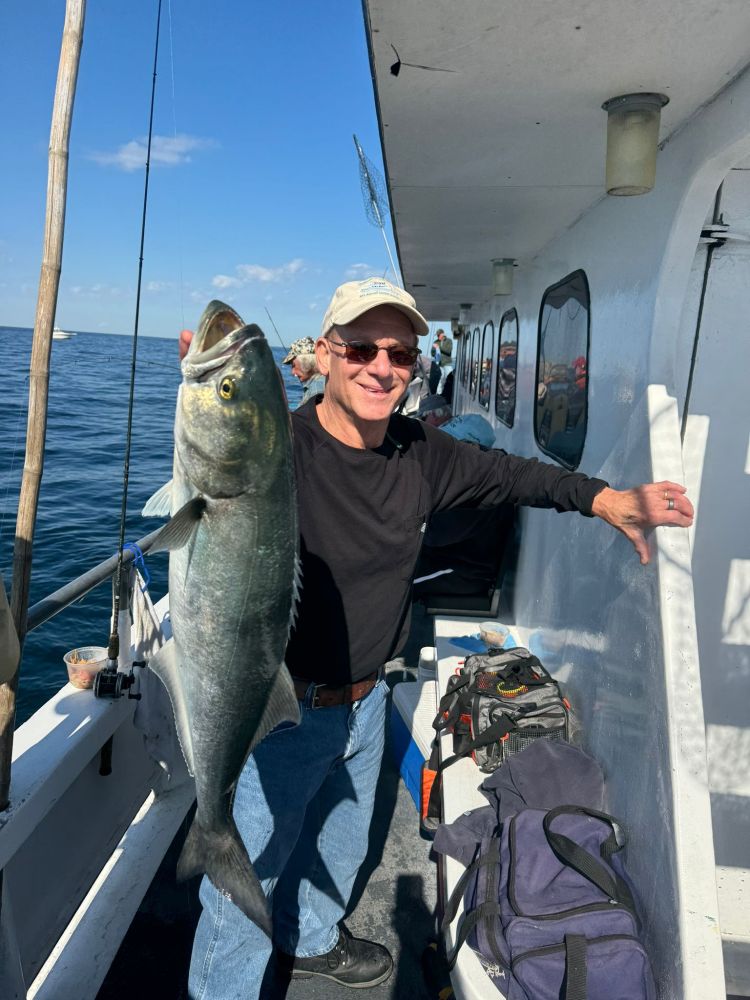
pixel 507 361
pixel 562 370
pixel 485 367
pixel 465 358
pixel 474 369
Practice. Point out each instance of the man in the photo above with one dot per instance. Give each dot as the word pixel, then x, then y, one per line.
pixel 367 483
pixel 304 364
pixel 445 349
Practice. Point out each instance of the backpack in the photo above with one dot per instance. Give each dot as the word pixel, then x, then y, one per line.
pixel 549 907
pixel 499 703
pixel 511 694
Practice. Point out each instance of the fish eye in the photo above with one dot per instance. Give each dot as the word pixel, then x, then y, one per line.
pixel 227 388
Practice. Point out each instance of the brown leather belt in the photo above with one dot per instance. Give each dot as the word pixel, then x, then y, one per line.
pixel 328 695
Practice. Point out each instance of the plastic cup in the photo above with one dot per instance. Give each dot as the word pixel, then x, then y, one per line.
pixel 84 663
pixel 493 634
pixel 427 668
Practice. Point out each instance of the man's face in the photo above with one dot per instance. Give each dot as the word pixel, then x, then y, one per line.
pixel 297 371
pixel 368 392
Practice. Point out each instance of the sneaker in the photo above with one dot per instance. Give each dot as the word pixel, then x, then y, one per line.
pixel 352 962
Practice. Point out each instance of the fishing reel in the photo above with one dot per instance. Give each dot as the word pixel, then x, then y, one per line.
pixel 111 683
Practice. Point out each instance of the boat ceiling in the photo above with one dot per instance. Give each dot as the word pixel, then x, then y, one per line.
pixel 493 133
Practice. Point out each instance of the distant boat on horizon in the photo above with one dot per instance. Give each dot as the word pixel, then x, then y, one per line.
pixel 58 334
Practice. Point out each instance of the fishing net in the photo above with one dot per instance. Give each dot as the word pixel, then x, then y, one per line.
pixel 373 188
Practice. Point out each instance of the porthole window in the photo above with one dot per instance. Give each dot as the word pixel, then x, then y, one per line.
pixel 507 361
pixel 562 370
pixel 474 370
pixel 487 359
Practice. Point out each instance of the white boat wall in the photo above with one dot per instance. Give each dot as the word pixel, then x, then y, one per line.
pixel 78 849
pixel 494 144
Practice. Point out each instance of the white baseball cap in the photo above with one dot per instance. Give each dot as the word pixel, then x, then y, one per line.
pixel 354 298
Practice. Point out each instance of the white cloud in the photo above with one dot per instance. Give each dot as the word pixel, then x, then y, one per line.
pixel 224 281
pixel 166 151
pixel 159 286
pixel 96 291
pixel 249 273
pixel 357 272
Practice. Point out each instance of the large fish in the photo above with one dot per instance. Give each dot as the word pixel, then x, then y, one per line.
pixel 233 543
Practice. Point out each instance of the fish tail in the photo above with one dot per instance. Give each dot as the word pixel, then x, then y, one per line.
pixel 222 856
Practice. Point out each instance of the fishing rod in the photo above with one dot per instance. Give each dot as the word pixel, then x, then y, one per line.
pixel 108 682
pixel 277 332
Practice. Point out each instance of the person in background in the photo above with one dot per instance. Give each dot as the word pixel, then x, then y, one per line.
pixel 304 364
pixel 445 348
pixel 434 410
pixel 368 480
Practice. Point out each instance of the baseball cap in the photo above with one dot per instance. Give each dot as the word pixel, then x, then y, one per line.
pixel 430 403
pixel 305 345
pixel 354 298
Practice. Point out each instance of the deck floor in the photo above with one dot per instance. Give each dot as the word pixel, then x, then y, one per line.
pixel 393 903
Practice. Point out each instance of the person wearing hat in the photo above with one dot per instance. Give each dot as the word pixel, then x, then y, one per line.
pixel 368 481
pixel 304 364
pixel 444 346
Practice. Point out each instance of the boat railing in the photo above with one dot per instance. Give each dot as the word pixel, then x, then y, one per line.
pixel 56 602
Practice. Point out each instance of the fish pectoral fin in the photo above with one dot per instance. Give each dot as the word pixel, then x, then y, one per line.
pixel 282 706
pixel 160 504
pixel 180 528
pixel 164 665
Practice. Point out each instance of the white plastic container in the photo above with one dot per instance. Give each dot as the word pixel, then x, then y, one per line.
pixel 493 634
pixel 84 663
pixel 427 669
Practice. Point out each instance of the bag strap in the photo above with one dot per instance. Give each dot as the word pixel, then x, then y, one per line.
pixel 574 983
pixel 492 734
pixel 451 704
pixel 484 911
pixel 578 858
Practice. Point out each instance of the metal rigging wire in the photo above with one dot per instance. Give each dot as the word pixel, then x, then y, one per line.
pixel 374 197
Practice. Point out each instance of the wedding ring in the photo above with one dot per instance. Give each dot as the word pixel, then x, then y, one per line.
pixel 670 503
pixel 666 494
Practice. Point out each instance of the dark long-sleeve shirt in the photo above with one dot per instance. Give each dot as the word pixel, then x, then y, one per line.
pixel 363 514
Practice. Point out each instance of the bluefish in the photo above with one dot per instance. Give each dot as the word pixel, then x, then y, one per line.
pixel 233 541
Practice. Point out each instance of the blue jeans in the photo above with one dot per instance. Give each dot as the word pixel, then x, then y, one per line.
pixel 303 806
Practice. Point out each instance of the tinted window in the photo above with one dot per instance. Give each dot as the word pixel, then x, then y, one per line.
pixel 562 370
pixel 486 363
pixel 507 360
pixel 465 357
pixel 474 362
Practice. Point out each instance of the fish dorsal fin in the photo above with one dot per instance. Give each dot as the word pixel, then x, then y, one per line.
pixel 179 530
pixel 160 504
pixel 282 706
pixel 164 665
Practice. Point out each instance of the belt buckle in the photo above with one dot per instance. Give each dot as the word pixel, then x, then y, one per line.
pixel 314 699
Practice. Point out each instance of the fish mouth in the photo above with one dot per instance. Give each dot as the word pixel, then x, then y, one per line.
pixel 221 333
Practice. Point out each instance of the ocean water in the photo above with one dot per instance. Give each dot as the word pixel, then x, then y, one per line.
pixel 81 492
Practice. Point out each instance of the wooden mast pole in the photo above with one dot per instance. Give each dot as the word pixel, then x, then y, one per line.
pixel 49 280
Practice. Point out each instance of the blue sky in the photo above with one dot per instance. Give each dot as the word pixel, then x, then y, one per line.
pixel 254 193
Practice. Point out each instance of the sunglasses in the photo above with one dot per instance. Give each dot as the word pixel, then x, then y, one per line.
pixel 363 353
